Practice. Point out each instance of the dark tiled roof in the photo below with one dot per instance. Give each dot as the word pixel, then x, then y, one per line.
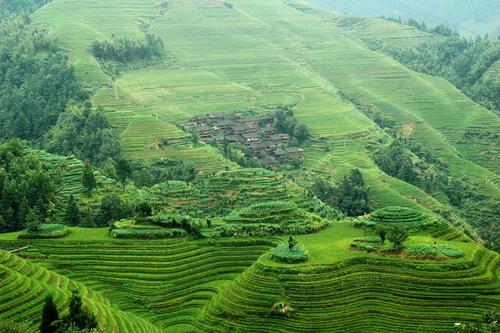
pixel 293 150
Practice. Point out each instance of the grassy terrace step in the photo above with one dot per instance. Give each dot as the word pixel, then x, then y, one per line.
pixel 165 282
pixel 363 295
pixel 27 284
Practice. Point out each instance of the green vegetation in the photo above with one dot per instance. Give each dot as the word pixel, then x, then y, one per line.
pixel 289 253
pixel 124 50
pixel 35 82
pixel 168 234
pixel 400 217
pixel 433 251
pixel 463 62
pixel 53 230
pixel 351 196
pixel 26 188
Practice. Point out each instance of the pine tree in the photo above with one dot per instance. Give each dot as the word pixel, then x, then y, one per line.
pixel 88 179
pixel 32 221
pixel 72 212
pixel 50 316
pixel 123 170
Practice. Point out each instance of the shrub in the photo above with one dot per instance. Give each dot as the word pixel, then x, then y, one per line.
pixel 282 309
pixel 282 253
pixel 450 251
pixel 422 251
pixel 147 233
pixel 363 247
pixel 430 251
pixel 46 231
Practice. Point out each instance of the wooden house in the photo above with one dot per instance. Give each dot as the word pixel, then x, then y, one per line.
pixel 244 129
pixel 293 152
pixel 249 138
pixel 206 131
pixel 252 120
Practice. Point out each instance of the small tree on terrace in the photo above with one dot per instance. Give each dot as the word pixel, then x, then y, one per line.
pixel 382 233
pixel 88 179
pixel 397 236
pixel 123 170
pixel 33 221
pixel 50 316
pixel 291 243
pixel 72 214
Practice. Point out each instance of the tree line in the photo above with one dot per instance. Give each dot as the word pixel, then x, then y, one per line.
pixel 351 196
pixel 124 50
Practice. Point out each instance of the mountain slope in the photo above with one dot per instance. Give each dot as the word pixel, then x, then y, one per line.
pixel 477 17
pixel 254 55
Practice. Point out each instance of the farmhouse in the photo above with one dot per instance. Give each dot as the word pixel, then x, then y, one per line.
pixel 244 129
pixel 249 138
pixel 294 152
pixel 206 131
pixel 250 121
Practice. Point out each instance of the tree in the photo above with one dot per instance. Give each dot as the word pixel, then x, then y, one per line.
pixel 112 209
pixel 144 209
pixel 301 133
pixel 50 316
pixel 397 236
pixel 88 179
pixel 72 214
pixel 291 243
pixel 354 194
pixel 123 170
pixel 32 221
pixel 382 233
pixel 325 191
pixel 77 317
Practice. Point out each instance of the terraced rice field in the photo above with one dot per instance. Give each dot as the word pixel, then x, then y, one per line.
pixel 361 295
pixel 230 285
pixel 263 53
pixel 154 284
pixel 402 217
pixel 24 286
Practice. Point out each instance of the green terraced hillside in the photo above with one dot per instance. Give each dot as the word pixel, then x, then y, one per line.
pixel 226 285
pixel 263 53
pixel 253 56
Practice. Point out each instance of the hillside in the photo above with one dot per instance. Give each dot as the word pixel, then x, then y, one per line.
pixel 470 18
pixel 265 54
pixel 386 219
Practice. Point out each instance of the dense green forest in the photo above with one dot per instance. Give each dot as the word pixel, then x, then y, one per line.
pixel 35 82
pixel 469 17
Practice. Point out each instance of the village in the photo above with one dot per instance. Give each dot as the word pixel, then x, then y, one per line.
pixel 257 135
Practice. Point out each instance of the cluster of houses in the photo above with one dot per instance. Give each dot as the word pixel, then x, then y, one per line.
pixel 257 134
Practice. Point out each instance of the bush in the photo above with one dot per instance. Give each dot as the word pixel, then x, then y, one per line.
pixel 46 231
pixel 282 253
pixel 360 246
pixel 450 251
pixel 282 309
pixel 147 233
pixel 430 251
pixel 422 251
